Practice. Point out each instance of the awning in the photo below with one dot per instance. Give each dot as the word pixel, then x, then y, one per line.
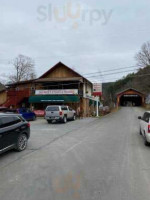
pixel 54 99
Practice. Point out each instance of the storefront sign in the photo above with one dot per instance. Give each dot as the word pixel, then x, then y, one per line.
pixel 57 92
pixel 97 89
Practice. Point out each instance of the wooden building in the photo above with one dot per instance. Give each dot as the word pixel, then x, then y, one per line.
pixel 59 85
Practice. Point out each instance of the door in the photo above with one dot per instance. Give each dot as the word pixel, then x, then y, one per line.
pixel 29 114
pixel 65 111
pixel 144 123
pixel 71 113
pixel 2 133
pixel 25 113
pixel 9 130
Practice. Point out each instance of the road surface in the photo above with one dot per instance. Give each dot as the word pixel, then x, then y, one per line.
pixel 89 159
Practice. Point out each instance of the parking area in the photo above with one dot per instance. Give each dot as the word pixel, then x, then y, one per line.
pixel 84 159
pixel 42 135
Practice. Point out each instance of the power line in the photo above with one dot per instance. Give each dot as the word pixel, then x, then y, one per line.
pixel 132 76
pixel 115 69
pixel 111 73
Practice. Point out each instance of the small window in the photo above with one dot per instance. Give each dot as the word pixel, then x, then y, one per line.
pixel 28 111
pixel 146 117
pixel 64 108
pixel 23 110
pixel 52 108
pixel 16 120
pixel 9 121
pixel 70 109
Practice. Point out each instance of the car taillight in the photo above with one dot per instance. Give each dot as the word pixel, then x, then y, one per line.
pixel 60 113
pixel 149 128
pixel 28 125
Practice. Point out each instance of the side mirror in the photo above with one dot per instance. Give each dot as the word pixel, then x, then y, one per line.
pixel 139 117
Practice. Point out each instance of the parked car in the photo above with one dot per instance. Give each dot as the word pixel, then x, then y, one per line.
pixel 14 132
pixel 145 127
pixel 27 114
pixel 2 109
pixel 8 110
pixel 59 113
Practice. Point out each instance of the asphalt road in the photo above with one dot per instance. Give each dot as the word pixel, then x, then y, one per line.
pixel 89 159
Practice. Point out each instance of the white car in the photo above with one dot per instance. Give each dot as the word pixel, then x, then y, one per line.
pixel 145 127
pixel 59 113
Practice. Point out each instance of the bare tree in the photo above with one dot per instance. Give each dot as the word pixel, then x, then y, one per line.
pixel 143 56
pixel 24 69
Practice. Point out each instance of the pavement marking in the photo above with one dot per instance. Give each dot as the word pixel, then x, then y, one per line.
pixel 74 146
pixel 46 129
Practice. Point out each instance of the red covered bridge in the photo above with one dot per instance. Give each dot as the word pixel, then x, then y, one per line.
pixel 130 97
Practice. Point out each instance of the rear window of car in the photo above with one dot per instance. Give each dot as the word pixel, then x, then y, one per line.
pixel 146 117
pixel 22 110
pixel 9 121
pixel 52 108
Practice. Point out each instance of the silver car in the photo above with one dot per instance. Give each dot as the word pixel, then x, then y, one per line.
pixel 59 113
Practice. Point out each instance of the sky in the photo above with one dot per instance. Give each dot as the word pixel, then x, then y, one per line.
pixel 88 36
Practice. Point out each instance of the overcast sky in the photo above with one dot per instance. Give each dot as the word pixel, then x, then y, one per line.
pixel 86 35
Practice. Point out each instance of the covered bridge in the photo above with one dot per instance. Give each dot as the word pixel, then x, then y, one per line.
pixel 130 97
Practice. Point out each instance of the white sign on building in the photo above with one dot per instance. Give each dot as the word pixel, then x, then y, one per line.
pixel 97 89
pixel 57 92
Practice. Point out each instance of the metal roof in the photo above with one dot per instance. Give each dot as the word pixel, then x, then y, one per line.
pixel 41 78
pixel 129 89
pixel 60 63
pixel 59 79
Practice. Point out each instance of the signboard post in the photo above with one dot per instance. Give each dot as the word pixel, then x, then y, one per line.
pixel 97 110
pixel 97 92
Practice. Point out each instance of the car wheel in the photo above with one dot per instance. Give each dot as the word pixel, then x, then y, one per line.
pixel 34 118
pixel 140 132
pixel 146 142
pixel 49 121
pixel 65 120
pixel 21 142
pixel 74 117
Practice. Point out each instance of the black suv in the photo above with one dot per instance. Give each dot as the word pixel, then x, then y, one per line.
pixel 14 132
